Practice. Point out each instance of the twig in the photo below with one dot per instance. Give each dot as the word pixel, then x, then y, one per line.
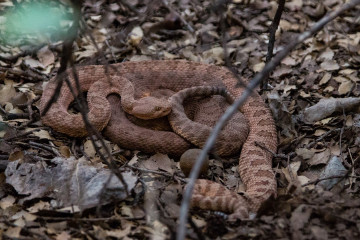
pixel 27 75
pixel 156 172
pixel 150 171
pixel 38 146
pixel 327 178
pixel 235 106
pixel 75 219
pixel 276 155
pixel 21 135
pixel 272 31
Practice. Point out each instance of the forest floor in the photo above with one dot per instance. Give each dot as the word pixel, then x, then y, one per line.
pixel 317 166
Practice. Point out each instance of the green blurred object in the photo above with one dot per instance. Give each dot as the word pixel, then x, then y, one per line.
pixel 36 23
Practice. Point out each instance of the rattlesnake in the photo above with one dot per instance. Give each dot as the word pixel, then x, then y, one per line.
pixel 255 162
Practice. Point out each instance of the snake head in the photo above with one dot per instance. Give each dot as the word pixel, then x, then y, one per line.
pixel 150 108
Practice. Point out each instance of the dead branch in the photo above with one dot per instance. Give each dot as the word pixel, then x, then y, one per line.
pixel 272 31
pixel 29 76
pixel 234 107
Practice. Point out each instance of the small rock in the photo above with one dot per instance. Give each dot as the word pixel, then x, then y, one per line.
pixel 188 159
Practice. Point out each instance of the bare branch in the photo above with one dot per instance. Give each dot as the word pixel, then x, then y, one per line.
pixel 272 31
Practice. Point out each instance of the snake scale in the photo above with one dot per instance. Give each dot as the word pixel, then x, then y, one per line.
pixel 135 82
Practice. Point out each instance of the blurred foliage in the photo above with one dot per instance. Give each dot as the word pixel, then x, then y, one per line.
pixel 35 22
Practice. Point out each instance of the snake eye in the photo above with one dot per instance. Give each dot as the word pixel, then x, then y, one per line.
pixel 157 109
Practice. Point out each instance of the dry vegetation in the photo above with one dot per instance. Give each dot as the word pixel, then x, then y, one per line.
pixel 46 194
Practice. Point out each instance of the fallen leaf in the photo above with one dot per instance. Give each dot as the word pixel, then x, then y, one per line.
pixel 258 67
pixel 136 35
pixel 282 71
pixel 289 61
pixel 119 233
pixel 7 91
pixel 215 54
pixel 326 55
pixel 325 79
pixel 33 63
pixel 159 162
pixel 89 149
pixel 300 216
pixel 42 134
pixel 46 56
pixel 319 233
pixel 330 65
pixel 65 151
pixel 13 232
pixel 7 202
pixel 64 235
pixel 304 153
pixel 345 87
pixel 320 158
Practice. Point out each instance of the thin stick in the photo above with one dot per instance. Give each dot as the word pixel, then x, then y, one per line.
pixel 328 178
pixel 272 31
pixel 235 106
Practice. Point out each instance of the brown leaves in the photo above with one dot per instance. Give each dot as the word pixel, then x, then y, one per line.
pixel 7 91
pixel 322 145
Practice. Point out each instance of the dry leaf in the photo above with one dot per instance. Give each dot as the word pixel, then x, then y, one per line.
pixel 325 79
pixel 42 134
pixel 282 71
pixel 319 233
pixel 258 67
pixel 33 63
pixel 289 61
pixel 328 54
pixel 7 91
pixel 119 233
pixel 290 172
pixel 329 89
pixel 330 65
pixel 65 151
pixel 136 36
pixel 89 148
pixel 63 236
pixel 214 55
pixel 46 56
pixel 13 232
pixel 345 87
pixel 159 162
pixel 300 216
pixel 320 158
pixel 304 153
pixel 7 202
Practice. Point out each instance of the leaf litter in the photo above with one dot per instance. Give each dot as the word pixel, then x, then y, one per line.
pixel 314 94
